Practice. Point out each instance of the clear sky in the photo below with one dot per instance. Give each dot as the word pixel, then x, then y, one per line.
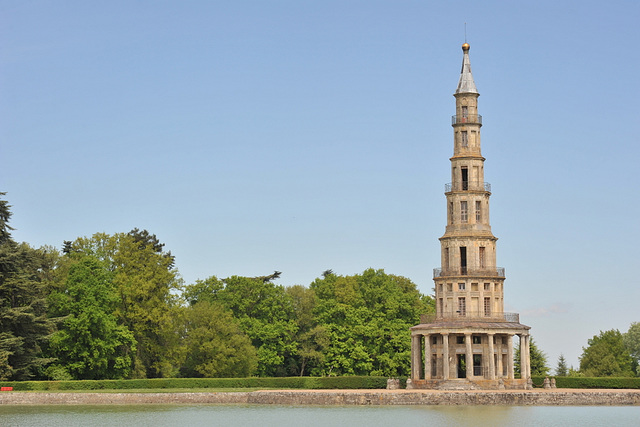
pixel 300 136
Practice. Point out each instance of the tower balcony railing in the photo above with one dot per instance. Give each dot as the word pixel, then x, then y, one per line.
pixel 468 271
pixel 467 186
pixel 476 316
pixel 470 118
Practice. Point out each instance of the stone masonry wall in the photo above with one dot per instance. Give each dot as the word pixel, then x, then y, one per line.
pixel 556 397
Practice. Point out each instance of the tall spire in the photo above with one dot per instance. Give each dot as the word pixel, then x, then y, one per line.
pixel 466 83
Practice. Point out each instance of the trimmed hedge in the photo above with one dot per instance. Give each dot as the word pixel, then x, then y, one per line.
pixel 352 382
pixel 593 382
pixel 346 382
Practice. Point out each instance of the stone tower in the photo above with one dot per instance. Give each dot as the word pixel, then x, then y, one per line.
pixel 468 343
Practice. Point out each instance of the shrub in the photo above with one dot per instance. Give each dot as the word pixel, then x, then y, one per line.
pixel 359 382
pixel 347 382
pixel 592 382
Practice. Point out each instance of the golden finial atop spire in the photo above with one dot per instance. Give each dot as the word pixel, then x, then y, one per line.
pixel 466 83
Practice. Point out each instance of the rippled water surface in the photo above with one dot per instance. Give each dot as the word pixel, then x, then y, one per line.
pixel 309 416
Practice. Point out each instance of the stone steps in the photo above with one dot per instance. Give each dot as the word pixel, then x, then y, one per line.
pixel 457 384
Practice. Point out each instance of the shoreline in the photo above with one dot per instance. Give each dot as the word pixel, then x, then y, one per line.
pixel 552 397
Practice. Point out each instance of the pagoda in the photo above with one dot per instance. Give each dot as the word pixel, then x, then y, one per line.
pixel 469 342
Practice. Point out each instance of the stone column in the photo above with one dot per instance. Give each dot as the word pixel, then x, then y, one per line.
pixel 510 356
pixel 492 364
pixel 415 357
pixel 499 357
pixel 445 356
pixel 523 356
pixel 528 355
pixel 427 356
pixel 469 355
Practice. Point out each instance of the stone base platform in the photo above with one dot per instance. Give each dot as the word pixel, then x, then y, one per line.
pixel 557 397
pixel 468 384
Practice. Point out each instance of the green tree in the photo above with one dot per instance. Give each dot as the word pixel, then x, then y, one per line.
pixel 24 324
pixel 367 318
pixel 146 240
pixel 561 368
pixel 537 358
pixel 5 216
pixel 312 339
pixel 203 290
pixel 631 340
pixel 90 344
pixel 312 347
pixel 574 373
pixel 264 312
pixel 147 287
pixel 216 347
pixel 606 356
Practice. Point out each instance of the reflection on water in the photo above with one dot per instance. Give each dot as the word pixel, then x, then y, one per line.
pixel 310 416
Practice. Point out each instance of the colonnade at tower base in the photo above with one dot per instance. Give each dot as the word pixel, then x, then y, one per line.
pixel 467 354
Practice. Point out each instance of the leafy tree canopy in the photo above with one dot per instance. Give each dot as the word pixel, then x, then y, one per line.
pixel 215 345
pixel 631 341
pixel 264 311
pixel 146 285
pixel 367 319
pixel 90 344
pixel 312 339
pixel 606 356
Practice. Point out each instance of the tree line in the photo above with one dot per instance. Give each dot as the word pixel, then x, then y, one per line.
pixel 608 354
pixel 113 306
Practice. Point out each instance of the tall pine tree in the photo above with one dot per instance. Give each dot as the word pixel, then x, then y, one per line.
pixel 561 368
pixel 24 325
pixel 537 358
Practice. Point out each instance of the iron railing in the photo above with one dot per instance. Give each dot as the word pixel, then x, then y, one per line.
pixel 470 118
pixel 467 186
pixel 476 316
pixel 469 271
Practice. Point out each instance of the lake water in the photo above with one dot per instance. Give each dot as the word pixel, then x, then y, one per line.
pixel 310 416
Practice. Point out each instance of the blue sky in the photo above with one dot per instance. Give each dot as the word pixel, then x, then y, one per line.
pixel 253 136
